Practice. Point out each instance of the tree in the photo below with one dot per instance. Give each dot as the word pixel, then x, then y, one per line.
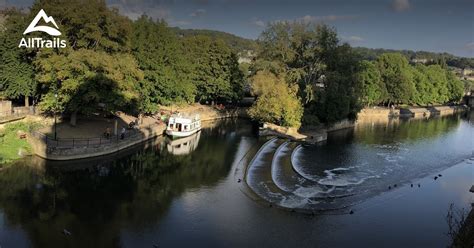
pixel 16 70
pixel 455 87
pixel 439 85
pixel 311 57
pixel 85 80
pixel 396 75
pixel 422 95
pixel 215 71
pixel 88 24
pixel 277 102
pixel 373 89
pixel 162 58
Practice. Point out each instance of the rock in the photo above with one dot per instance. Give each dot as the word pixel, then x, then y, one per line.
pixel 351 212
pixel 411 185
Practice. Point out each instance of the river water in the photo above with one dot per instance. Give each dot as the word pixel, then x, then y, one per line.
pixel 227 188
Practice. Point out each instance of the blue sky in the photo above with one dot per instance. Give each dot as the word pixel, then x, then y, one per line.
pixel 431 25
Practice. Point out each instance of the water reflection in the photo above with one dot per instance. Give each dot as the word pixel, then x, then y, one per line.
pixel 96 199
pixel 184 145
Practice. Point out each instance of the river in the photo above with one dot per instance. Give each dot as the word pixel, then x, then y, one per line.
pixel 373 185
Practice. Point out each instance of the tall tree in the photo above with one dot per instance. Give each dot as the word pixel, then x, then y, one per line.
pixel 215 70
pixel 373 89
pixel 84 80
pixel 162 58
pixel 277 101
pixel 88 24
pixel 397 77
pixel 311 57
pixel 16 69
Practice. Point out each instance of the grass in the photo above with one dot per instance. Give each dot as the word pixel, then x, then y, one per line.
pixel 10 143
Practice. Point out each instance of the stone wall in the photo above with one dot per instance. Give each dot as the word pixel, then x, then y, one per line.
pixel 377 112
pixel 5 108
pixel 40 147
pixel 23 110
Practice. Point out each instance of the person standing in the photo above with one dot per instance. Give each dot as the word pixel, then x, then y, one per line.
pixel 122 133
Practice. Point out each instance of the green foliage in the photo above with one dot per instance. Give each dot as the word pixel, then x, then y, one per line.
pixel 433 58
pixel 162 59
pixel 16 70
pixel 237 44
pixel 84 78
pixel 311 57
pixel 10 143
pixel 88 24
pixel 215 71
pixel 402 83
pixel 277 102
pixel 373 88
pixel 394 70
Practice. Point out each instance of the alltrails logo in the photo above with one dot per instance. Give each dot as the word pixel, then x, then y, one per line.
pixel 40 42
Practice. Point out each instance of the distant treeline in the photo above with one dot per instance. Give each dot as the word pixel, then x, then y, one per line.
pixel 390 79
pixel 236 43
pixel 431 57
pixel 301 72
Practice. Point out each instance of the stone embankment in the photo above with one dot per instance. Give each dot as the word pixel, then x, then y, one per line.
pixel 374 115
pixel 310 135
pixel 80 147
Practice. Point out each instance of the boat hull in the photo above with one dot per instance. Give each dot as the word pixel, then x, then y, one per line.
pixel 177 134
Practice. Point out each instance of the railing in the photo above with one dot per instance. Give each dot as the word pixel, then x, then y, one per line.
pixel 90 142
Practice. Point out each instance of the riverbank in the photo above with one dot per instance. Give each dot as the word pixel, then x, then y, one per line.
pixel 13 139
pixel 86 139
pixel 316 134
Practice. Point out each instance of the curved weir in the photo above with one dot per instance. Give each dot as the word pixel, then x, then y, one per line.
pixel 271 177
pixel 285 177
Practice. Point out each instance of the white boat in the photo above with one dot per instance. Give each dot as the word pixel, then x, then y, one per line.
pixel 183 146
pixel 182 126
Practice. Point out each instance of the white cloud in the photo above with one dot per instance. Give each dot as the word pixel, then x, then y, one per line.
pixel 198 13
pixel 355 39
pixel 259 23
pixel 401 5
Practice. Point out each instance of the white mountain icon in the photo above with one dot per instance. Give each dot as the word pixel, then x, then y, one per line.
pixel 51 31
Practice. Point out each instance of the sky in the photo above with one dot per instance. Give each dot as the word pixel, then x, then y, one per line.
pixel 429 25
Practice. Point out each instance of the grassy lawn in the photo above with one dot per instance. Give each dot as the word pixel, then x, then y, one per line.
pixel 10 143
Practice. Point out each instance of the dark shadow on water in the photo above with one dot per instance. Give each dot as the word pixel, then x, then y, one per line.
pixel 96 199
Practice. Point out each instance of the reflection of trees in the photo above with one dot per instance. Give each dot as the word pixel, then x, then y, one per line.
pixel 407 130
pixel 95 202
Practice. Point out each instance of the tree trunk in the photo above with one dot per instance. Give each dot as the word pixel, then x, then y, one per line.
pixel 73 120
pixel 27 101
